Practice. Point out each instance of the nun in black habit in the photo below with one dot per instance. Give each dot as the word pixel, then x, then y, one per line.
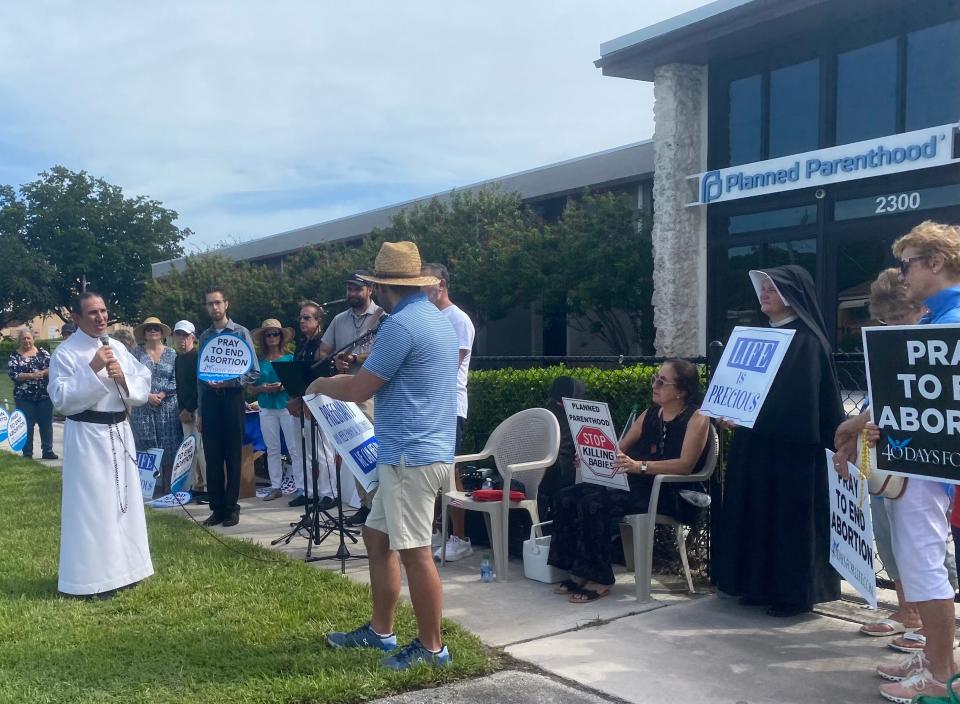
pixel 773 545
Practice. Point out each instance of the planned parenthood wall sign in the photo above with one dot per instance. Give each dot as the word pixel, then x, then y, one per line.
pixel 747 369
pixel 913 379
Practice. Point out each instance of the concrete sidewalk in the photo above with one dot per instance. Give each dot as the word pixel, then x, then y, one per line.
pixel 681 648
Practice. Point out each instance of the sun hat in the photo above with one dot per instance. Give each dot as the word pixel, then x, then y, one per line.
pixel 272 324
pixel 398 264
pixel 152 320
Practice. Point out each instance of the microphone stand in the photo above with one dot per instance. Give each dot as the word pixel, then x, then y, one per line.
pixel 293 375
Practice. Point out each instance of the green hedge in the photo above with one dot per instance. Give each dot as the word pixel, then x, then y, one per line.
pixel 498 394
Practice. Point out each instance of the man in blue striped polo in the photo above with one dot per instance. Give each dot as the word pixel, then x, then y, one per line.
pixel 412 372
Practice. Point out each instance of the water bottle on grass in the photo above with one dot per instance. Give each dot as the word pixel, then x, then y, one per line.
pixel 486 571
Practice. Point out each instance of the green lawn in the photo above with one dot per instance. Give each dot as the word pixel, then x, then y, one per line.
pixel 209 626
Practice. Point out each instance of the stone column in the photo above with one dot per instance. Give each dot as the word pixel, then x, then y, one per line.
pixel 679 232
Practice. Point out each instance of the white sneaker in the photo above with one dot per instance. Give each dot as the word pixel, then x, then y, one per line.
pixel 457 549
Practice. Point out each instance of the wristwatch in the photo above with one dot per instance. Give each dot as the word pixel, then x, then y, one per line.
pixel 643 466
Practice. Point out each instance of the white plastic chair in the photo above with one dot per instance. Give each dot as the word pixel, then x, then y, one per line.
pixel 639 528
pixel 527 442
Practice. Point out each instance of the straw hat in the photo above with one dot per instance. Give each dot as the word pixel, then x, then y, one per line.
pixel 398 264
pixel 272 324
pixel 138 331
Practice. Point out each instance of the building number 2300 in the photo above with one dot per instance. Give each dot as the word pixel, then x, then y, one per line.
pixel 898 202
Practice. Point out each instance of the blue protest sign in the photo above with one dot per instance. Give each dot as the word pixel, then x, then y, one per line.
pixel 183 463
pixel 17 431
pixel 224 357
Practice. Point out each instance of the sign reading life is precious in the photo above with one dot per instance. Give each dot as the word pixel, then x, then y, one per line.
pixel 746 370
pixel 913 379
pixel 224 357
pixel 595 439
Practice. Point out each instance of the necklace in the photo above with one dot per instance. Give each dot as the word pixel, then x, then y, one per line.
pixel 121 496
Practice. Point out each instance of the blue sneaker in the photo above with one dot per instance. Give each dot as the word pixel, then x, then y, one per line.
pixel 415 654
pixel 362 637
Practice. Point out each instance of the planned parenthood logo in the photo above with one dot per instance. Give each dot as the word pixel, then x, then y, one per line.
pixel 753 355
pixel 874 157
pixel 711 186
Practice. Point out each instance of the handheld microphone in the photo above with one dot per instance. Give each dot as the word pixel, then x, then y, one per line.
pixel 105 340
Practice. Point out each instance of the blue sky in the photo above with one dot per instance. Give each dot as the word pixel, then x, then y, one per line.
pixel 252 118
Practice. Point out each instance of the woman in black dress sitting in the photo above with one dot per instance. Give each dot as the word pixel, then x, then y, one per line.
pixel 670 437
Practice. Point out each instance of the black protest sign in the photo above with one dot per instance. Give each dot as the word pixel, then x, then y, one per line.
pixel 913 376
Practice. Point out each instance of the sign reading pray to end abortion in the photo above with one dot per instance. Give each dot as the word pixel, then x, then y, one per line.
pixel 17 431
pixel 913 378
pixel 224 357
pixel 183 463
pixel 747 368
pixel 851 531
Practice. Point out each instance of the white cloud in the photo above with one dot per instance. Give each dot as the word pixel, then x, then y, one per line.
pixel 191 102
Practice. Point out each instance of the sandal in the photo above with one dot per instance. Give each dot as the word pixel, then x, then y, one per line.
pixel 883 627
pixel 909 642
pixel 567 586
pixel 584 596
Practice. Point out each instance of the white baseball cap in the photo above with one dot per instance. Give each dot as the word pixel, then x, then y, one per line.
pixel 185 326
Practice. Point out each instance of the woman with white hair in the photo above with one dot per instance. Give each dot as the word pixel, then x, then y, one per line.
pixel 29 366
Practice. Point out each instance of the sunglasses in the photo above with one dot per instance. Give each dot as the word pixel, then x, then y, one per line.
pixel 905 263
pixel 271 334
pixel 306 317
pixel 152 328
pixel 658 381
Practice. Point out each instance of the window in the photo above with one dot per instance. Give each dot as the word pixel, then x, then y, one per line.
pixel 773 219
pixel 867 92
pixel 857 266
pixel 795 109
pixel 933 76
pixel 746 116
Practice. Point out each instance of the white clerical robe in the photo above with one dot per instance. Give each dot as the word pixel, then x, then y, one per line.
pixel 101 546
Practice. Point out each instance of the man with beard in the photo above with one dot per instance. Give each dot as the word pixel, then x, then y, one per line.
pixel 220 412
pixel 307 344
pixel 360 318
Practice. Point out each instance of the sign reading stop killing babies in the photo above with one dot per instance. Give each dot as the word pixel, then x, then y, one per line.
pixel 913 381
pixel 596 443
pixel 224 357
pixel 851 531
pixel 746 370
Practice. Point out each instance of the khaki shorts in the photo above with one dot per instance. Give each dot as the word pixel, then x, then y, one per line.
pixel 404 503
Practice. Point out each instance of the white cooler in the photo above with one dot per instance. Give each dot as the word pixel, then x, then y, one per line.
pixel 535 553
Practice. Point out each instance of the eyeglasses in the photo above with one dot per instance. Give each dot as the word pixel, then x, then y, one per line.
pixel 657 381
pixel 905 263
pixel 272 333
pixel 306 317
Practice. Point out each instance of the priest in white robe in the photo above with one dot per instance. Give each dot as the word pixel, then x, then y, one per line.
pixel 103 532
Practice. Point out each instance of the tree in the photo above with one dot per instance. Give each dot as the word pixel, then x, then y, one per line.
pixel 25 277
pixel 255 292
pixel 600 259
pixel 490 241
pixel 75 229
